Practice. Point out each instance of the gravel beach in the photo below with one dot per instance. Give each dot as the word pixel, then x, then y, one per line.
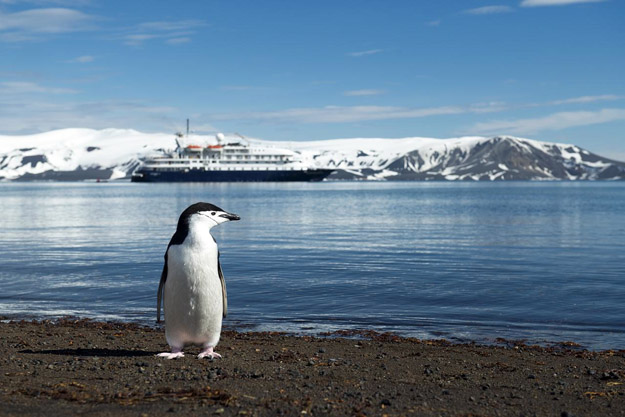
pixel 75 367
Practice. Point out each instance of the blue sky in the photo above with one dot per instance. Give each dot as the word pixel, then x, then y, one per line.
pixel 293 70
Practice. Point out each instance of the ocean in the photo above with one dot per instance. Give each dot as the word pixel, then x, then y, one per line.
pixel 465 261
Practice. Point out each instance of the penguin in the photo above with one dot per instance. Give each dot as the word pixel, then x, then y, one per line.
pixel 192 284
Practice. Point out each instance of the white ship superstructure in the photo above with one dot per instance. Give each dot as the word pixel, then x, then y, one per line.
pixel 228 159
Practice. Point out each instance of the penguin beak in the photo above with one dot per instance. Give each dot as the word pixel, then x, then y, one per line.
pixel 230 216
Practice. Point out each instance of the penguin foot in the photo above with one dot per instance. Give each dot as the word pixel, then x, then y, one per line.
pixel 208 353
pixel 175 353
pixel 171 355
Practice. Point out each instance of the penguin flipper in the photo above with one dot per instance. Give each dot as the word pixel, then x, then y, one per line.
pixel 161 290
pixel 224 295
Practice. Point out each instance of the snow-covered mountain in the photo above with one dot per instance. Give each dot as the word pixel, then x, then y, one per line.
pixel 466 158
pixel 75 154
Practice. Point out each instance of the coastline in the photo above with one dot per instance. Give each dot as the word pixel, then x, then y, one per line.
pixel 71 367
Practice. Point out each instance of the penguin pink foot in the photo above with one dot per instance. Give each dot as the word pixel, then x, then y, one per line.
pixel 175 353
pixel 208 353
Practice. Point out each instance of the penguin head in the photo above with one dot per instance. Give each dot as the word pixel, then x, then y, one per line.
pixel 205 214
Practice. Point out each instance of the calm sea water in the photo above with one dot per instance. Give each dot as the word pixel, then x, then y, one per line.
pixel 463 261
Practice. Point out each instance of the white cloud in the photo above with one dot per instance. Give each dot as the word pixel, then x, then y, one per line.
pixel 21 115
pixel 574 100
pixel 433 23
pixel 26 87
pixel 170 26
pixel 27 106
pixel 340 114
pixel 84 59
pixel 537 3
pixel 72 3
pixel 587 99
pixel 489 107
pixel 357 93
pixel 35 23
pixel 365 53
pixel 490 10
pixel 347 114
pixel 556 121
pixel 138 39
pixel 173 32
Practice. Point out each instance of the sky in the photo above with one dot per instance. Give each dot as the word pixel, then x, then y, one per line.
pixel 550 70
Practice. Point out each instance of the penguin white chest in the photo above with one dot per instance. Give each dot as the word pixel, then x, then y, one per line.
pixel 193 293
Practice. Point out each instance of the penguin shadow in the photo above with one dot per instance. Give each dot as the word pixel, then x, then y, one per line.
pixel 94 352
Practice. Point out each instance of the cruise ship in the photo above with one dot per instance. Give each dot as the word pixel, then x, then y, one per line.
pixel 227 160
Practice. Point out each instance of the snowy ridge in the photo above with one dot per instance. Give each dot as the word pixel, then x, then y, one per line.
pixel 466 158
pixel 112 151
pixel 78 154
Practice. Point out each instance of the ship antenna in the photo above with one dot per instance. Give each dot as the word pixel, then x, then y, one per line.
pixel 187 127
pixel 242 137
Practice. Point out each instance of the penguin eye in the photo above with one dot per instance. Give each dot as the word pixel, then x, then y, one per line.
pixel 213 213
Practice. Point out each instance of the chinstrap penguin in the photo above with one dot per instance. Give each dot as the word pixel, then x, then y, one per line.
pixel 192 284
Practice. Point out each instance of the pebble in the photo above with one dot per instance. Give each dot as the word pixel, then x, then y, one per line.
pixel 609 375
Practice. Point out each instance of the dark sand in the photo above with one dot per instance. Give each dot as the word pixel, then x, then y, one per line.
pixel 80 367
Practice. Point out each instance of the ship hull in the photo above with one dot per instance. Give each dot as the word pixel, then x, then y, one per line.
pixel 197 175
